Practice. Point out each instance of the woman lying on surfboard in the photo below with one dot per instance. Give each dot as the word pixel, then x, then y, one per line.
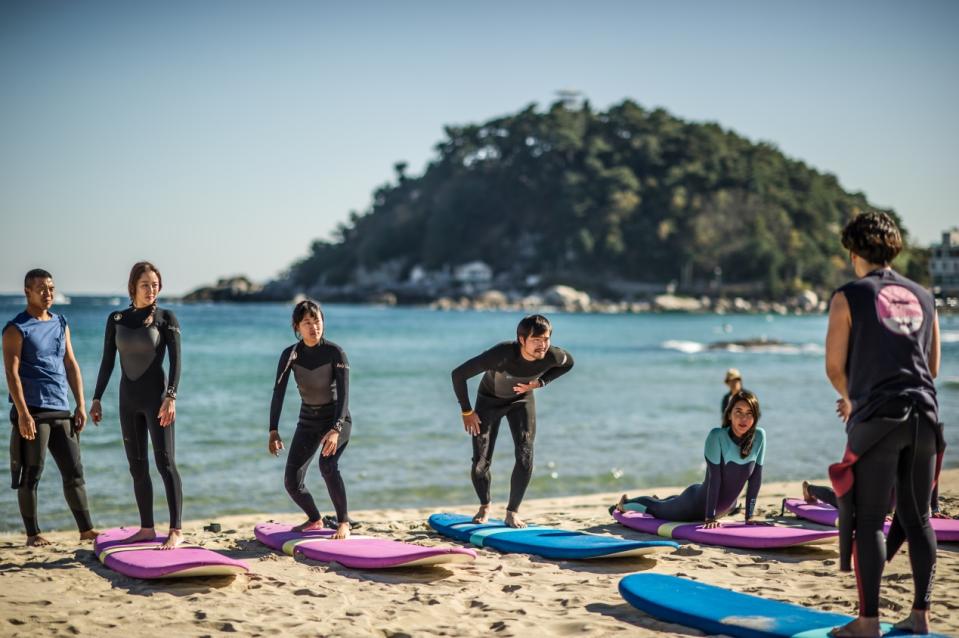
pixel 734 458
pixel 322 375
pixel 822 494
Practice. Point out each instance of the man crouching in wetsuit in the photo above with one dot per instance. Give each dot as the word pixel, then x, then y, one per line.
pixel 511 371
pixel 39 363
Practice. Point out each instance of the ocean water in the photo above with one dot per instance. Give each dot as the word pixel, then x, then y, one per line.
pixel 633 413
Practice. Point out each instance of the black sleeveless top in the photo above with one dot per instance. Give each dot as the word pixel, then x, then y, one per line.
pixel 889 345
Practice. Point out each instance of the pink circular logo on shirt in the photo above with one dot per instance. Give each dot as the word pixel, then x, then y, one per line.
pixel 899 310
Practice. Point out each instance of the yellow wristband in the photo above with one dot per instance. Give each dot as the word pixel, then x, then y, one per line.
pixel 469 413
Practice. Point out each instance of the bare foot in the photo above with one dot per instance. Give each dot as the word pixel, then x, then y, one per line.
pixel 482 515
pixel 342 531
pixel 513 520
pixel 37 541
pixel 621 503
pixel 89 535
pixel 143 534
pixel 174 538
pixel 915 623
pixel 308 526
pixel 806 495
pixel 861 627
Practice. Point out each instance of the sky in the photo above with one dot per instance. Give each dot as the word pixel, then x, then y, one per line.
pixel 223 137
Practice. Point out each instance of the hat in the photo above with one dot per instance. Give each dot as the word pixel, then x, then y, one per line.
pixel 732 374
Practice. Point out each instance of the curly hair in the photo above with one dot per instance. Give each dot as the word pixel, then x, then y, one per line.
pixel 873 236
pixel 746 445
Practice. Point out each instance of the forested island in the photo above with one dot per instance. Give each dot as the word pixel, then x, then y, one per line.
pixel 630 206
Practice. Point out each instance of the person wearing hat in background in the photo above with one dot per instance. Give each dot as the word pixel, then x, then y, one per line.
pixel 735 383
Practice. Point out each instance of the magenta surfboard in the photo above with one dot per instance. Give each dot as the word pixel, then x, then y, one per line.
pixel 357 552
pixel 728 534
pixel 143 560
pixel 946 529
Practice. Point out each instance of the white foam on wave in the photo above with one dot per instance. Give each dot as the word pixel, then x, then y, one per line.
pixel 949 336
pixel 694 347
pixel 689 347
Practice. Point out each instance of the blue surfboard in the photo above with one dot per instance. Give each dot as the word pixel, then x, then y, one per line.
pixel 715 610
pixel 548 542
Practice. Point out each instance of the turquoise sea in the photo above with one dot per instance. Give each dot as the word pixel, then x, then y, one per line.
pixel 633 413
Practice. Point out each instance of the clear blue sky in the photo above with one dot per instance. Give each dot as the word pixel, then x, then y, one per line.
pixel 222 137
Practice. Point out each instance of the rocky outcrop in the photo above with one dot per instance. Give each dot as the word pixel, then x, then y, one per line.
pixel 227 289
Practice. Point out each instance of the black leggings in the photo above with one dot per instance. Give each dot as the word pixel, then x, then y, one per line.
pixel 521 417
pixel 824 494
pixel 905 460
pixel 135 423
pixel 306 441
pixel 64 445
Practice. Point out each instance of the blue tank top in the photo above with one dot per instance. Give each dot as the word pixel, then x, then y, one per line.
pixel 889 344
pixel 42 372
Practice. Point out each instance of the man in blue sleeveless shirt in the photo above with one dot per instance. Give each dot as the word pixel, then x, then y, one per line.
pixel 39 364
pixel 882 355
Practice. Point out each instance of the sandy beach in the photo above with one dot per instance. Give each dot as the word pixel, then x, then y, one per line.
pixel 64 591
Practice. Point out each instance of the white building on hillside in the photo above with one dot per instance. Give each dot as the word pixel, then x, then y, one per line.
pixel 944 265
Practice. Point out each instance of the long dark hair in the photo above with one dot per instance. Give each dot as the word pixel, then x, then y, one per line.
pixel 136 272
pixel 746 445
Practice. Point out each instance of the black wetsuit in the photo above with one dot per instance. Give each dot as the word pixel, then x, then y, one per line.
pixel 44 381
pixel 725 402
pixel 892 430
pixel 726 475
pixel 827 495
pixel 142 337
pixel 503 367
pixel 322 376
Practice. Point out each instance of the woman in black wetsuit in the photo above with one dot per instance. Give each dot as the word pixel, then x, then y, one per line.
pixel 142 334
pixel 882 357
pixel 734 458
pixel 322 375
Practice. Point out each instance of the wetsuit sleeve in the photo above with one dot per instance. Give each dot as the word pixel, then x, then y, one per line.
pixel 171 330
pixel 279 388
pixel 714 459
pixel 564 363
pixel 756 478
pixel 469 369
pixel 108 360
pixel 341 374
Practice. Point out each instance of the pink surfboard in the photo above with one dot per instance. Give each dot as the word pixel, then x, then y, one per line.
pixel 946 529
pixel 728 534
pixel 143 560
pixel 357 552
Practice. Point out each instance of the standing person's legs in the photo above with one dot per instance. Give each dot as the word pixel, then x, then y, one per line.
pixel 330 469
pixel 306 441
pixel 875 474
pixel 133 426
pixel 65 448
pixel 34 453
pixel 914 478
pixel 483 445
pixel 522 425
pixel 164 455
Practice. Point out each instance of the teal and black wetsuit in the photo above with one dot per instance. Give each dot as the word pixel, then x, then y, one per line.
pixel 143 336
pixel 726 475
pixel 503 367
pixel 322 374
